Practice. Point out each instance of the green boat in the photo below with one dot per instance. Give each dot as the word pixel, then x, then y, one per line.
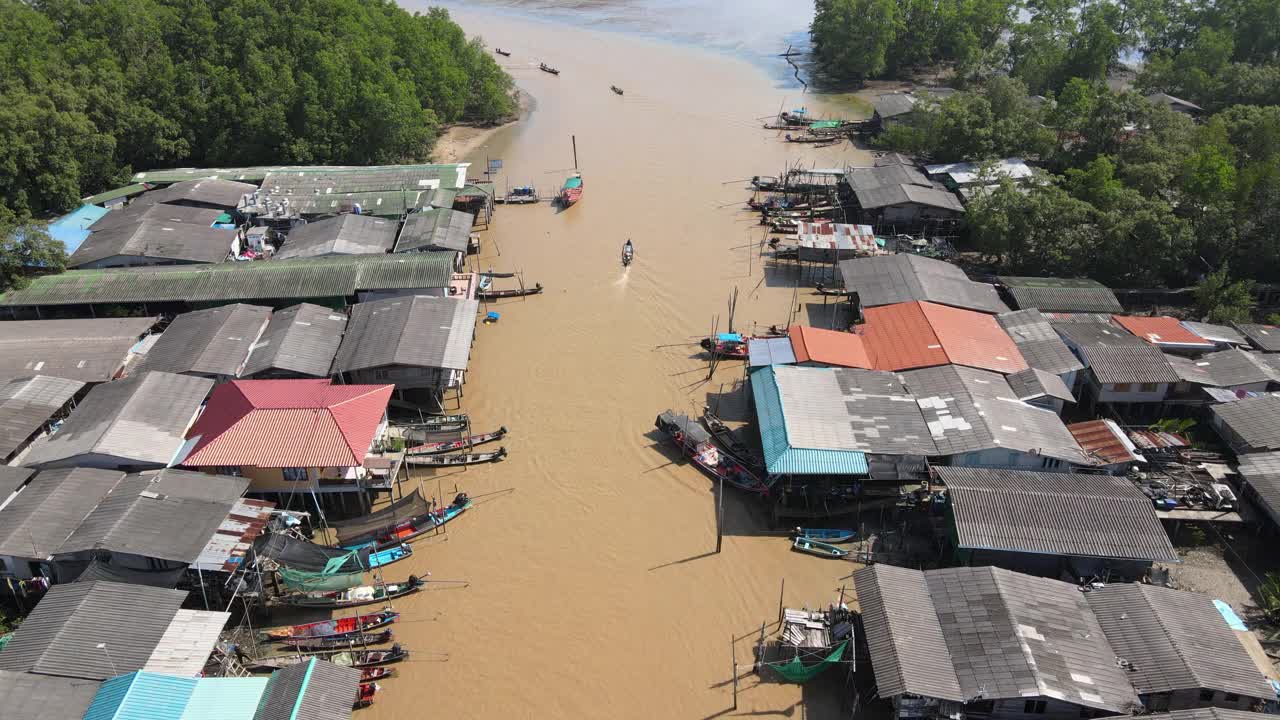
pixel 821 549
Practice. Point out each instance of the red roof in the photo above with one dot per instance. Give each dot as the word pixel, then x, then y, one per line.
pixel 1103 440
pixel 922 334
pixel 287 423
pixel 1161 330
pixel 828 347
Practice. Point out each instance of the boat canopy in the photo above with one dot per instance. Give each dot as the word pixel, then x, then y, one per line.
pixel 573 182
pixel 825 125
pixel 729 337
pixel 690 427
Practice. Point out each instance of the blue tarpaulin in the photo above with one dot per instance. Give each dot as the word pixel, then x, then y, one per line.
pixel 73 227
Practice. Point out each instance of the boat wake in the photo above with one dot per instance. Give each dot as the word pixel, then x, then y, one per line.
pixel 622 281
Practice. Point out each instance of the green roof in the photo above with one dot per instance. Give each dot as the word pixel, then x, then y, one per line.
pixel 471 190
pixel 438 199
pixel 301 278
pixel 126 191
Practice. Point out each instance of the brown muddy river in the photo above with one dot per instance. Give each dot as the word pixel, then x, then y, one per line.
pixel 593 591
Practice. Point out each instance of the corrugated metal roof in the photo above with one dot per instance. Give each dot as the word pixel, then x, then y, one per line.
pixel 770 351
pixel 346 234
pixel 1039 344
pixel 212 342
pixel 1175 640
pixel 84 350
pixel 1162 331
pixel 36 523
pixel 894 104
pixel 909 655
pixel 229 546
pixel 1221 334
pixel 141 420
pixel 436 229
pixel 160 213
pixel 27 695
pixel 120 192
pixel 1115 356
pixel 964 173
pixel 798 445
pixel 1255 422
pixel 1209 713
pixel 1262 472
pixel 870 178
pixel 186 645
pixel 27 404
pixel 454 175
pixel 1225 369
pixel 828 347
pixel 102 570
pixel 338 276
pixel 141 696
pixel 919 334
pixel 230 698
pixel 301 340
pixel 1264 337
pixel 151 241
pixel 890 195
pixel 326 425
pixel 1104 440
pixel 889 279
pixel 213 192
pixel 1035 383
pixel 61 636
pixel 1073 514
pixel 1061 294
pixel 314 689
pixel 12 478
pixel 418 331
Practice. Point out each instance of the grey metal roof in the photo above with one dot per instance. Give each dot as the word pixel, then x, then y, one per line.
pixel 141 420
pixel 85 350
pixel 151 515
pixel 315 690
pixel 1264 337
pixel 99 570
pixel 448 175
pixel 890 279
pixel 156 212
pixel 1208 713
pixel 386 190
pixel 1262 472
pixel 215 341
pixel 1072 514
pixel 1175 640
pixel 892 105
pixel 155 240
pixel 1224 369
pixel 27 695
pixel 1036 383
pixel 337 276
pixel 27 404
pixel 1255 422
pixel 203 191
pixel 770 351
pixel 61 636
pixel 1013 636
pixel 436 229
pixel 1170 101
pixel 870 178
pixel 418 330
pixel 12 478
pixel 1039 344
pixel 49 508
pixel 1061 294
pixel 347 234
pixel 1116 356
pixel 1216 333
pixel 968 410
pixel 889 195
pixel 301 340
pixel 908 652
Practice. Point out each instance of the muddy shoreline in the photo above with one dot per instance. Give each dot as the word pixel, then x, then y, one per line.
pixel 459 140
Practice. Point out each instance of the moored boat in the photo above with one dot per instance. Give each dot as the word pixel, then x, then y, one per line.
pixel 339 643
pixel 456 459
pixel 826 535
pixel 384 556
pixel 616 89
pixel 548 69
pixel 354 597
pixel 503 53
pixel 696 444
pixel 818 548
pixel 337 627
pixel 368 675
pixel 359 659
pixel 571 191
pixel 450 445
pixel 413 527
pixel 489 294
pixel 729 345
pixel 365 698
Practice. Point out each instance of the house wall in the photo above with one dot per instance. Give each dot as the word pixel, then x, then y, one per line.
pixel 1016 709
pixel 1134 393
pixel 407 376
pixel 1051 404
pixel 1188 699
pixel 1002 458
pixel 1052 566
pixel 16 566
pixel 914 212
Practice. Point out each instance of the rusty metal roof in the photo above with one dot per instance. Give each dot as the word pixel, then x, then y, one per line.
pixel 920 334
pixel 828 347
pixel 1105 440
pixel 1162 331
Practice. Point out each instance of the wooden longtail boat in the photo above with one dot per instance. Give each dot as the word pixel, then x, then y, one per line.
pixel 368 675
pixel 457 459
pixel 826 535
pixel 356 596
pixel 365 699
pixel 358 659
pixel 548 69
pixel 349 642
pixel 696 444
pixel 628 253
pixel 466 442
pixel 516 292
pixel 337 627
pixel 571 191
pixel 407 530
pixel 502 52
pixel 814 547
pixel 617 90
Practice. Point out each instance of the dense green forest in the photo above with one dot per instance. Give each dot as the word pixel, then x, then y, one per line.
pixel 92 91
pixel 1134 194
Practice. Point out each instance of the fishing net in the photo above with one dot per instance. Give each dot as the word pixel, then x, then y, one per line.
pixel 304 581
pixel 797 672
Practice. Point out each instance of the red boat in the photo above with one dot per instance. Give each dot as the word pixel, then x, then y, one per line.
pixel 571 192
pixel 368 675
pixel 729 345
pixel 451 445
pixel 338 627
pixel 339 643
pixel 367 691
pixel 696 444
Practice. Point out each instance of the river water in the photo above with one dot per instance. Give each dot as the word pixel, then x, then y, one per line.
pixel 593 589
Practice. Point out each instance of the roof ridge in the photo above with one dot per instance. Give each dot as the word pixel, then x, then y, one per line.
pixel 1155 612
pixel 997 575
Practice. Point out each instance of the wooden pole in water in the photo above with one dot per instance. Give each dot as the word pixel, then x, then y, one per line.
pixel 574 138
pixel 781 592
pixel 720 517
pixel 733 648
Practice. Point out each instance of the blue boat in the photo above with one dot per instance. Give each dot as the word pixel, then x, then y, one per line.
pixel 382 558
pixel 826 535
pixel 821 549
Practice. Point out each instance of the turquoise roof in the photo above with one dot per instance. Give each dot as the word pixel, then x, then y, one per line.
pixel 141 696
pixel 73 227
pixel 225 698
pixel 779 456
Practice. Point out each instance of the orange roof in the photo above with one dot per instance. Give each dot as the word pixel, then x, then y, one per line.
pixel 922 334
pixel 1162 330
pixel 829 347
pixel 1102 440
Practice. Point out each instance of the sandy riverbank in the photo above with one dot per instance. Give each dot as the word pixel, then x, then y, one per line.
pixel 458 141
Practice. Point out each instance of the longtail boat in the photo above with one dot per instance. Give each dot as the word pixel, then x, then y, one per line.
pixel 358 659
pixel 354 597
pixel 404 531
pixel 466 442
pixel 492 274
pixel 438 423
pixel 548 69
pixel 502 52
pixel 822 290
pixel 456 459
pixel 732 445
pixel 365 698
pixel 617 90
pixel 814 547
pixel 337 627
pixel 571 191
pixel 349 642
pixel 368 675
pixel 385 555
pixel 826 535
pixel 516 292
pixel 728 345
pixel 696 444
pixel 628 253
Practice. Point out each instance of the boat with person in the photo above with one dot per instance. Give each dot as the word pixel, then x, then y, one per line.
pixel 695 443
pixel 450 445
pixel 359 659
pixel 405 531
pixel 456 459
pixel 818 548
pixel 548 69
pixel 488 293
pixel 503 53
pixel 354 597
pixel 367 693
pixel 617 90
pixel 834 536
pixel 337 627
pixel 369 675
pixel 339 643
pixel 628 253
pixel 571 191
